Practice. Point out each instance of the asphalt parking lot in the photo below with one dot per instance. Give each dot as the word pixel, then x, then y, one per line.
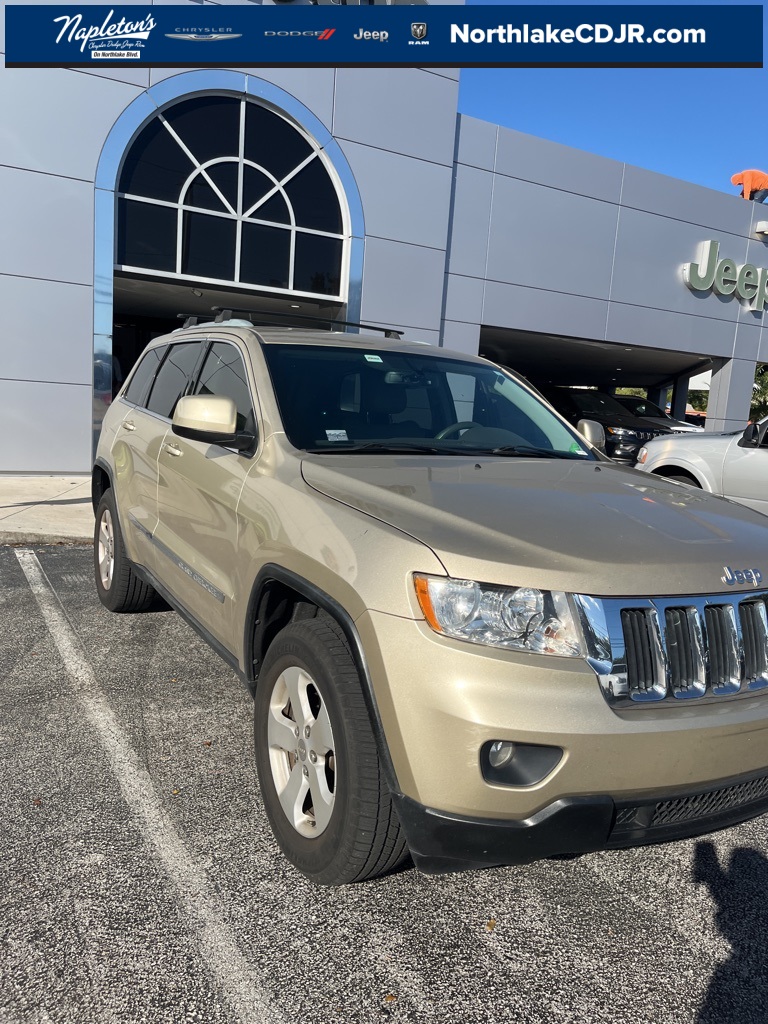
pixel 139 881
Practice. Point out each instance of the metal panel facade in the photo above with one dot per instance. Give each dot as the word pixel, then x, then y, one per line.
pixel 46 331
pixel 545 238
pixel 49 424
pixel 405 199
pixel 586 247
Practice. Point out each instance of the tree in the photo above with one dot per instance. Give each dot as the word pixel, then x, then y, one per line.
pixel 698 400
pixel 759 406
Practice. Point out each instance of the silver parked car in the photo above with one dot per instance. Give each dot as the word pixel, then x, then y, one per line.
pixel 734 465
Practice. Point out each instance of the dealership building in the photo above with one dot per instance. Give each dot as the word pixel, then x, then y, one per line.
pixel 132 195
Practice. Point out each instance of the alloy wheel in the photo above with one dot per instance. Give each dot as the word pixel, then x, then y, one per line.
pixel 106 552
pixel 302 752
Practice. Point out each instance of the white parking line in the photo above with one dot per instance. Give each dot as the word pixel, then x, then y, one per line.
pixel 217 942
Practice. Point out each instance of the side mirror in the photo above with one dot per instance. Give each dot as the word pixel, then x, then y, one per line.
pixel 751 436
pixel 211 419
pixel 593 432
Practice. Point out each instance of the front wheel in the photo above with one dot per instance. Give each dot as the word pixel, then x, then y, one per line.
pixel 323 789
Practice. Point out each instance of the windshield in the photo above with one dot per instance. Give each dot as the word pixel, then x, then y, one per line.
pixel 642 407
pixel 372 400
pixel 595 403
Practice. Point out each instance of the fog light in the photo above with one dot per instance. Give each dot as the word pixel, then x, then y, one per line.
pixel 504 763
pixel 500 753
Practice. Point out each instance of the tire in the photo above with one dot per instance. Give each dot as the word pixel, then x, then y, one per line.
pixel 118 586
pixel 680 479
pixel 330 808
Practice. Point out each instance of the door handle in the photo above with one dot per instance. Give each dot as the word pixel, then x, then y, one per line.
pixel 172 449
pixel 129 424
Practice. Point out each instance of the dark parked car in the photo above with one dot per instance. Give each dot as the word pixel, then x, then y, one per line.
pixel 649 410
pixel 625 433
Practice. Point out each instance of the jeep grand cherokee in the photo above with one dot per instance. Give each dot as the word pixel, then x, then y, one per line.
pixel 469 635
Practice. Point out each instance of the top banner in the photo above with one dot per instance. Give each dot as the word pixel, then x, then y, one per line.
pixel 331 35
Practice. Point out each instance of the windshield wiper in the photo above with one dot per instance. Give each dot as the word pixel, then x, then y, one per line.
pixel 383 448
pixel 411 448
pixel 534 452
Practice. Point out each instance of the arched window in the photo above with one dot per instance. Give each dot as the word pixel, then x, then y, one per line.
pixel 224 190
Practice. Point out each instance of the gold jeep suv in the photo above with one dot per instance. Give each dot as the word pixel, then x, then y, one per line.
pixel 469 636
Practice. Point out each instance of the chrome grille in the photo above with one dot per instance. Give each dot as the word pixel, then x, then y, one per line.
pixel 677 649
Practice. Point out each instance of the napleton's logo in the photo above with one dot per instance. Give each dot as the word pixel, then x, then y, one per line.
pixel 109 33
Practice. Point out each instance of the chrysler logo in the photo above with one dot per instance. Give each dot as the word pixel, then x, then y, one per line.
pixel 205 36
pixel 418 29
pixel 734 576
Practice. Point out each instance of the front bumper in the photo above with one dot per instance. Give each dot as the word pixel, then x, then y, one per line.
pixel 624 452
pixel 441 842
pixel 441 701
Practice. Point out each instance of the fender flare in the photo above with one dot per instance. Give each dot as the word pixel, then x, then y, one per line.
pixel 675 463
pixel 104 466
pixel 271 572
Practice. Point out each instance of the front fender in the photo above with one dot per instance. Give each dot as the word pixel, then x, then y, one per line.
pixel 697 468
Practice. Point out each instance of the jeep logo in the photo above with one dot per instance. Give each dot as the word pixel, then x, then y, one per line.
pixel 734 576
pixel 747 282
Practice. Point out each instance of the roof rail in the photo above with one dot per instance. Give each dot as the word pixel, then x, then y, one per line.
pixel 221 313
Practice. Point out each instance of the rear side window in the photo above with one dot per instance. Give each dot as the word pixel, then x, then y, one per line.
pixel 173 377
pixel 223 374
pixel 144 372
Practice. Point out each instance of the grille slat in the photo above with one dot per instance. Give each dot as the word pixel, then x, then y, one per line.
pixel 639 664
pixel 723 648
pixel 645 662
pixel 685 652
pixel 754 628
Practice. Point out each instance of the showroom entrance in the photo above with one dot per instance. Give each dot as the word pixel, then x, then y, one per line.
pixel 223 200
pixel 551 360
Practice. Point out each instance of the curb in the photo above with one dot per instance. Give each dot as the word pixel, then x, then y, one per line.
pixel 20 538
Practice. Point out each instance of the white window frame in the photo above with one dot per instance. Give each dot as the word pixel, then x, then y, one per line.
pixel 241 216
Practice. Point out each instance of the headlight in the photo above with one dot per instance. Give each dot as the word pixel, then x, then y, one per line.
pixel 642 455
pixel 516 618
pixel 623 432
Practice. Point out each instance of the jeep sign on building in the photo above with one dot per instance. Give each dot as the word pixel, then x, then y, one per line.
pixel 131 195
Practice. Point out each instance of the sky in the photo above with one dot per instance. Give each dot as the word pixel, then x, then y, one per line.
pixel 699 124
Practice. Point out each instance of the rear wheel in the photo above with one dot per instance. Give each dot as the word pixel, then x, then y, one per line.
pixel 321 780
pixel 118 586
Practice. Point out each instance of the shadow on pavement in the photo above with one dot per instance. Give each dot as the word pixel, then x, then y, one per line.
pixel 49 502
pixel 738 990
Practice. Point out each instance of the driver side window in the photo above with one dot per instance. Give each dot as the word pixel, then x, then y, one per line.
pixel 223 374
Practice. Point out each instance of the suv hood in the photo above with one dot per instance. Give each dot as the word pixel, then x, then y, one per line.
pixel 700 437
pixel 629 421
pixel 592 528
